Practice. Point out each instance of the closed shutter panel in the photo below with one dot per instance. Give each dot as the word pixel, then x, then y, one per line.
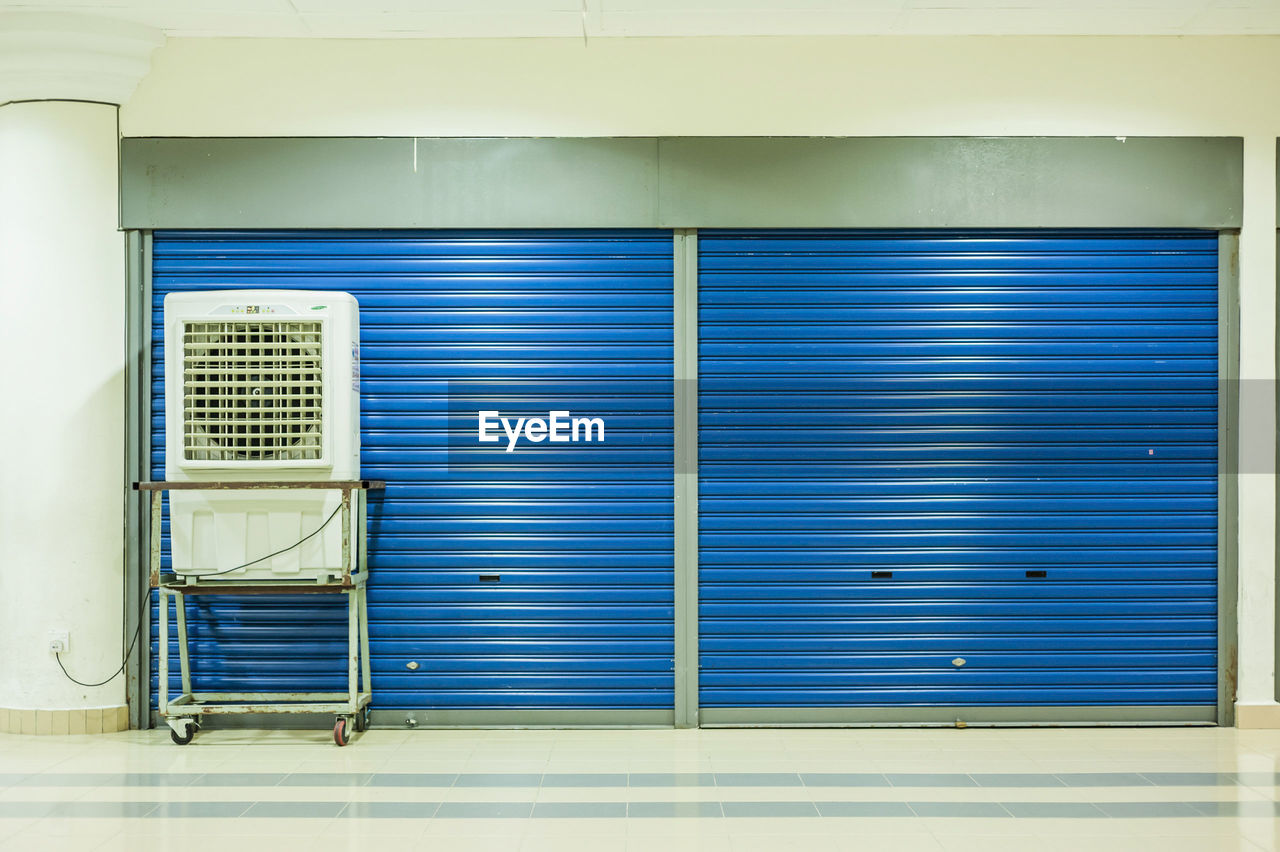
pixel 898 431
pixel 579 536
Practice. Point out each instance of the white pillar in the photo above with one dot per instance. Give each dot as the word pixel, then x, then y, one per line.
pixel 62 358
pixel 1256 706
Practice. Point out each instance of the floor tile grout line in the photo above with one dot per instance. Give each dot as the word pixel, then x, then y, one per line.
pixel 788 808
pixel 716 779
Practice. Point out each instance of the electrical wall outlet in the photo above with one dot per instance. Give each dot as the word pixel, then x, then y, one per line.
pixel 59 641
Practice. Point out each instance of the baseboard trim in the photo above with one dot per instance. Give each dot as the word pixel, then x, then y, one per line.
pixel 91 720
pixel 1258 715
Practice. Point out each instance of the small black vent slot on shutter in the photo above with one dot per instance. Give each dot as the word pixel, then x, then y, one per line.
pixel 1037 575
pixel 882 575
pixel 490 578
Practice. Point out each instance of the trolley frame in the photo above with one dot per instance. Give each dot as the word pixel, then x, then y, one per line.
pixel 182 714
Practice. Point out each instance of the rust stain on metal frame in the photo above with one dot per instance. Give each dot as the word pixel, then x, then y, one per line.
pixel 346 536
pixel 157 514
pixel 265 588
pixel 194 705
pixel 1230 671
pixel 346 485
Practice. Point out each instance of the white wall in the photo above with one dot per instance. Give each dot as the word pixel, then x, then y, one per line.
pixel 845 86
pixel 62 300
pixel 796 86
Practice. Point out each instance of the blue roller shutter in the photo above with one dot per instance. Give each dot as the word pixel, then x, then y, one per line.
pixel 580 536
pixel 917 448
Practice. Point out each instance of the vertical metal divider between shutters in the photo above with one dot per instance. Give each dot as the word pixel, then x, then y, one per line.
pixel 685 474
pixel 136 614
pixel 1228 465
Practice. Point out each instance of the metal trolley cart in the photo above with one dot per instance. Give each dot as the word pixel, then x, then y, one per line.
pixel 351 708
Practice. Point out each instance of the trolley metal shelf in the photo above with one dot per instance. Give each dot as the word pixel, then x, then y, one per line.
pixel 183 713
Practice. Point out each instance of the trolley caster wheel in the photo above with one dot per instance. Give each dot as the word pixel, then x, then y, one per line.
pixel 362 721
pixel 183 739
pixel 342 731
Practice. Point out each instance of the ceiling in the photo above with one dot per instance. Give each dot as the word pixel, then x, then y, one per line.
pixel 611 18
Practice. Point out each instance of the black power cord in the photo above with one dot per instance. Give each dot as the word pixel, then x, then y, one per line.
pixel 146 602
pixel 137 631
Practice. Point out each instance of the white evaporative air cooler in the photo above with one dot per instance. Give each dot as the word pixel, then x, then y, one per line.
pixel 260 385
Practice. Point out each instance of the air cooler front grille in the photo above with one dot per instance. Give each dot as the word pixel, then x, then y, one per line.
pixel 252 391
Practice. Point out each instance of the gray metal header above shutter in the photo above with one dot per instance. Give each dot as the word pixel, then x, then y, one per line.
pixel 648 182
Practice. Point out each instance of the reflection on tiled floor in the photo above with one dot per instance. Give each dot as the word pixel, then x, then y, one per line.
pixel 1042 790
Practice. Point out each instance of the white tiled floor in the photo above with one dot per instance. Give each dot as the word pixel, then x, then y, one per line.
pixel 881 774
